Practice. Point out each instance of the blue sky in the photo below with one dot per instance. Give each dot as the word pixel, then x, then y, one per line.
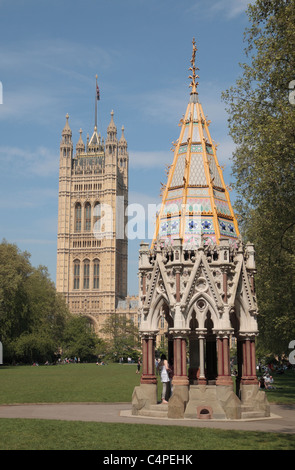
pixel 50 52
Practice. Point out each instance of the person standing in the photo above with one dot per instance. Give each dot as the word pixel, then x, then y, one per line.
pixel 138 366
pixel 164 375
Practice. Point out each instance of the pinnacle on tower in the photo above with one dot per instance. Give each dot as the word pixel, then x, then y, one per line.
pixel 80 147
pixel 67 130
pixel 112 129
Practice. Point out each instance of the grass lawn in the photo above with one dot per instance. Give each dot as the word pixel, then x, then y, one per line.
pixel 113 383
pixel 93 383
pixel 23 434
pixel 68 383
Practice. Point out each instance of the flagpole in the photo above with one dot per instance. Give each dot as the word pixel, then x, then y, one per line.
pixel 96 104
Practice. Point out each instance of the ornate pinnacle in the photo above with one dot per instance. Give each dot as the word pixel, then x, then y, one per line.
pixel 193 69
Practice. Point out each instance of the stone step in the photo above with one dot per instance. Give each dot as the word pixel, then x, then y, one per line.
pixel 153 413
pixel 252 414
pixel 159 407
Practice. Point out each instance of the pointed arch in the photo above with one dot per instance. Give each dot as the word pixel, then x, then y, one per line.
pixel 87 220
pixel 97 216
pixel 76 285
pixel 96 273
pixel 201 303
pixel 155 311
pixel 78 216
pixel 247 322
pixel 86 273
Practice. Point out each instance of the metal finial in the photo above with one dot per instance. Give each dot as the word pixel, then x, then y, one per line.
pixel 193 69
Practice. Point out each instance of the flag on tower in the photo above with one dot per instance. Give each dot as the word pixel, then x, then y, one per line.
pixel 97 92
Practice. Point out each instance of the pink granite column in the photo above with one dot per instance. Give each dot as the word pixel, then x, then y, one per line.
pixel 249 362
pixel 148 360
pixel 180 369
pixel 223 361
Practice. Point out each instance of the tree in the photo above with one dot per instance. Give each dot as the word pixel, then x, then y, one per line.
pixel 15 268
pixel 79 340
pixel 32 313
pixel 262 125
pixel 121 337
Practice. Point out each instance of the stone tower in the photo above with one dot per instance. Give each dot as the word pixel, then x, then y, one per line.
pixel 91 243
pixel 199 275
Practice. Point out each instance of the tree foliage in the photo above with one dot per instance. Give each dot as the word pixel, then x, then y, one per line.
pixel 121 337
pixel 35 323
pixel 80 341
pixel 262 125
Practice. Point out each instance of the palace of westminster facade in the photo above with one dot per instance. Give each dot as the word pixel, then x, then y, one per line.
pixel 92 258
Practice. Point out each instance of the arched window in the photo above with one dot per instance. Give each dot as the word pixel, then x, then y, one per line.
pixel 87 217
pixel 76 274
pixel 96 274
pixel 78 217
pixel 86 274
pixel 97 217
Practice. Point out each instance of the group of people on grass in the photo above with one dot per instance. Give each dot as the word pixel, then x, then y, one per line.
pixel 266 382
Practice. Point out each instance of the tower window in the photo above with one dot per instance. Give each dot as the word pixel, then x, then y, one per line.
pixel 76 274
pixel 86 274
pixel 96 274
pixel 78 217
pixel 97 216
pixel 87 217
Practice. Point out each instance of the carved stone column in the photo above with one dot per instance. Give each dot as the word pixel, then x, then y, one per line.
pixel 148 358
pixel 248 358
pixel 202 376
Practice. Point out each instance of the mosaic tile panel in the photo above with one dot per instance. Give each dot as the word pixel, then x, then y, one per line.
pixel 169 227
pixel 182 149
pixel 227 228
pixel 198 192
pixel 192 241
pixel 199 225
pixel 185 134
pixel 222 207
pixel 209 149
pixel 219 195
pixel 179 171
pixel 174 193
pixel 199 205
pixel 214 172
pixel 196 134
pixel 197 148
pixel 197 171
pixel 172 207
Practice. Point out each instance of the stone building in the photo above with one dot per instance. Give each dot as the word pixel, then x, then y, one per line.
pixel 92 246
pixel 199 274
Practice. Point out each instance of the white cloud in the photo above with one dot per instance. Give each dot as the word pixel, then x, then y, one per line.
pixel 229 9
pixel 152 159
pixel 60 55
pixel 39 162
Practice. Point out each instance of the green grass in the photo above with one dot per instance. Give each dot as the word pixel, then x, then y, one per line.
pixel 92 383
pixel 21 434
pixel 284 388
pixel 68 383
pixel 114 383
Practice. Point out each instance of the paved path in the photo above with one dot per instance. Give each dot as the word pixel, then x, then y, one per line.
pixel 282 416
